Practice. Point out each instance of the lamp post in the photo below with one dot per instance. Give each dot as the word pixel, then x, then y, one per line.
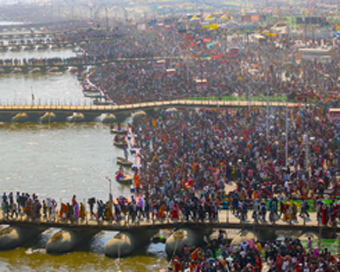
pixel 110 191
pixel 286 149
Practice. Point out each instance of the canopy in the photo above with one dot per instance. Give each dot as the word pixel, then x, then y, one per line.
pixel 194 18
pixel 210 17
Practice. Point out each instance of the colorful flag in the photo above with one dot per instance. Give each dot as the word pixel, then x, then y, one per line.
pixel 119 128
pixel 119 176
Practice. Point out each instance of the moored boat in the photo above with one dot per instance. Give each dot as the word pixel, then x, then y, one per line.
pixel 117 131
pixel 92 95
pixel 123 178
pixel 120 143
pixel 123 161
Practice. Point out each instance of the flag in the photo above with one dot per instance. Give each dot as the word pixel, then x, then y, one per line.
pixel 119 128
pixel 119 176
pixel 124 148
pixel 219 116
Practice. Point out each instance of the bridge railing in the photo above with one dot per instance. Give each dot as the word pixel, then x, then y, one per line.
pixel 221 218
pixel 88 104
pixel 46 102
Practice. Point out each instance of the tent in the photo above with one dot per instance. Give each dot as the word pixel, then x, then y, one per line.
pixel 194 18
pixel 210 17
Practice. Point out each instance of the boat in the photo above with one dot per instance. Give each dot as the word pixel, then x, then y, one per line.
pixel 92 95
pixel 123 162
pixel 116 131
pixel 133 150
pixel 103 101
pixel 119 143
pixel 90 89
pixel 125 179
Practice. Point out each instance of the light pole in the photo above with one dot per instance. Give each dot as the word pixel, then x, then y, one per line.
pixel 32 96
pixel 110 191
pixel 286 134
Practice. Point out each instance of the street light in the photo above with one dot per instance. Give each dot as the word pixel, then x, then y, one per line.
pixel 110 191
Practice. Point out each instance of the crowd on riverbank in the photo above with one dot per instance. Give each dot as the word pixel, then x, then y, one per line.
pixel 254 69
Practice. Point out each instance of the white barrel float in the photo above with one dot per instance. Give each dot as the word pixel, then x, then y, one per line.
pixel 138 115
pixel 48 117
pixel 67 240
pixel 181 237
pixel 35 70
pixel 54 69
pixel 20 118
pixel 17 70
pixel 125 243
pixel 242 237
pixel 15 236
pixel 170 110
pixel 77 117
pixel 109 119
pixel 74 69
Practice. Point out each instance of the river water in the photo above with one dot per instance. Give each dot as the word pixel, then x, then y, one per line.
pixel 58 161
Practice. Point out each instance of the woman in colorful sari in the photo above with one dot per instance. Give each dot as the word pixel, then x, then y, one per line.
pixel 174 212
pixel 82 214
pixel 63 214
pixel 108 214
pixel 161 212
pixel 324 211
pixel 76 211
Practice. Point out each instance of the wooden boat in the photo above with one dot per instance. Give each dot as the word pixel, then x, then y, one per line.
pixel 125 179
pixel 123 162
pixel 102 102
pixel 92 95
pixel 116 131
pixel 120 144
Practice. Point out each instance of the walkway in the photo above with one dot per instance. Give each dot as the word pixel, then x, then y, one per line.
pixel 140 106
pixel 226 220
pixel 63 66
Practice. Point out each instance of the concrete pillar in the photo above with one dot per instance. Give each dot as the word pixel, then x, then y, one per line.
pixel 15 236
pixel 67 240
pixel 127 242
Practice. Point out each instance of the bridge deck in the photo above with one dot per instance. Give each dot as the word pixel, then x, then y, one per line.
pixel 226 220
pixel 140 106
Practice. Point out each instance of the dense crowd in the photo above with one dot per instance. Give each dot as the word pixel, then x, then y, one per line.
pixel 250 255
pixel 254 69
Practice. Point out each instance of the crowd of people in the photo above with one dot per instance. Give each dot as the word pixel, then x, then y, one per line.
pixel 287 255
pixel 254 69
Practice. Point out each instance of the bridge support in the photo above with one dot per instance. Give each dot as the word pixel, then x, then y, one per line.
pixel 67 240
pixel 109 119
pixel 127 242
pixel 138 115
pixel 121 117
pixel 15 236
pixel 48 117
pixel 190 237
